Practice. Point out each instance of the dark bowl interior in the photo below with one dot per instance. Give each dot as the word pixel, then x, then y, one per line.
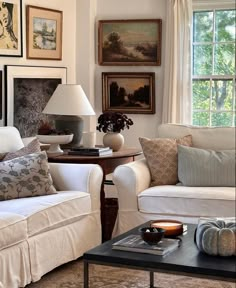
pixel 152 235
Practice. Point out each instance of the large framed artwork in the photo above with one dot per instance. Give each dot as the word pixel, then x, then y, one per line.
pixel 129 42
pixel 128 92
pixel 28 90
pixel 43 33
pixel 11 28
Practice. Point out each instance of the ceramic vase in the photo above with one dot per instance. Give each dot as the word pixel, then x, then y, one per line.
pixel 114 140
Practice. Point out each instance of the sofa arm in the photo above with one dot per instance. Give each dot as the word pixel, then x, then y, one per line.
pixel 130 179
pixel 78 177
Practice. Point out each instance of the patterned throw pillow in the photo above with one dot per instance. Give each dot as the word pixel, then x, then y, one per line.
pixel 25 176
pixel 32 147
pixel 162 159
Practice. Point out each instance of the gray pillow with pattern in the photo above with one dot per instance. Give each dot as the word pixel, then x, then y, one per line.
pixel 25 176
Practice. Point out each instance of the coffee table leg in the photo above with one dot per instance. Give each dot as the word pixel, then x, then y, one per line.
pixel 86 274
pixel 152 279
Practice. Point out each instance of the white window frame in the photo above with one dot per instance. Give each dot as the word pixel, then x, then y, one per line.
pixel 207 5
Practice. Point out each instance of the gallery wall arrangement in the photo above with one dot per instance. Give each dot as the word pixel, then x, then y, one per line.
pixel 25 90
pixel 129 43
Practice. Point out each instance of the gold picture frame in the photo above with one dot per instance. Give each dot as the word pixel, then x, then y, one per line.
pixel 129 42
pixel 43 33
pixel 128 92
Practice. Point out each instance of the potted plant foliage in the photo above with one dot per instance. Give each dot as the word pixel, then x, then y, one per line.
pixel 112 123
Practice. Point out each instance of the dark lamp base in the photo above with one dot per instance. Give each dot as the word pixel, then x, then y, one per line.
pixel 74 124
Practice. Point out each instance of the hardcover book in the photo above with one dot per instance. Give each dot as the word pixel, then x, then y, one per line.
pixel 134 243
pixel 88 149
pixel 91 153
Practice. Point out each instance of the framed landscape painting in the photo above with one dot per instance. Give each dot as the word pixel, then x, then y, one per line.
pixel 28 90
pixel 11 28
pixel 129 42
pixel 44 33
pixel 128 92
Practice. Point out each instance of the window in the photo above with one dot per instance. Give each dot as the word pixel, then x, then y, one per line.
pixel 213 68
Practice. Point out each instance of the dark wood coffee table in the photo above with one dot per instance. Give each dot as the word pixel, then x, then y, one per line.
pixel 185 260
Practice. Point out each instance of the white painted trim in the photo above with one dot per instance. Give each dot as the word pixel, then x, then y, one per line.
pixel 213 4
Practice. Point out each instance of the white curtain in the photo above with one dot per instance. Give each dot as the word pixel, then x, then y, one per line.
pixel 177 75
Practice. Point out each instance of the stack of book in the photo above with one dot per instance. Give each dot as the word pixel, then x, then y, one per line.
pixel 134 243
pixel 96 151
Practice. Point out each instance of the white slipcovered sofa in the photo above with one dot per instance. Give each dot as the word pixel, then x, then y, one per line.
pixel 138 202
pixel 40 233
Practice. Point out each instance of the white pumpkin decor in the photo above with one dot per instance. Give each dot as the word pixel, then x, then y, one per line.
pixel 217 238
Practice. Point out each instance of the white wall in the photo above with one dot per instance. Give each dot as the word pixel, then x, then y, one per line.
pixel 144 125
pixel 68 39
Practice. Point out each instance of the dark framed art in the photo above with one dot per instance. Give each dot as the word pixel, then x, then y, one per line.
pixel 11 28
pixel 27 92
pixel 129 42
pixel 128 92
pixel 43 33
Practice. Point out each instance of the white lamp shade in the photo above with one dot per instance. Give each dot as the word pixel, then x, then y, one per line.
pixel 69 99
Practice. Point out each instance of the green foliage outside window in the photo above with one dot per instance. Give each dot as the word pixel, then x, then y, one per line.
pixel 213 92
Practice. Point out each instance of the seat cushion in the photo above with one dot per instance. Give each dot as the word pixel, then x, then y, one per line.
pixel 48 212
pixel 13 229
pixel 188 201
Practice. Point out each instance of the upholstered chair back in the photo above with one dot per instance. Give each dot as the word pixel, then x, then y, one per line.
pixel 10 139
pixel 215 138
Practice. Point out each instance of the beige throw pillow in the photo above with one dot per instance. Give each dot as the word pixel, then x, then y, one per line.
pixel 25 176
pixel 162 160
pixel 32 147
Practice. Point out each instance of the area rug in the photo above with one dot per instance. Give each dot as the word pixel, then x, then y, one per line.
pixel 70 275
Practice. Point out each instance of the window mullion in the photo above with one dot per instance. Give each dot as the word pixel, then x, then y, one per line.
pixel 213 69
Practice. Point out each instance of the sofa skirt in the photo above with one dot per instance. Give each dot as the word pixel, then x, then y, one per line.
pixel 15 266
pixel 53 248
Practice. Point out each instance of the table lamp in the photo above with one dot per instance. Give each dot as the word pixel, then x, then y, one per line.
pixel 69 102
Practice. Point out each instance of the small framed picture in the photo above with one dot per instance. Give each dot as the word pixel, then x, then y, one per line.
pixel 43 33
pixel 11 28
pixel 129 42
pixel 128 92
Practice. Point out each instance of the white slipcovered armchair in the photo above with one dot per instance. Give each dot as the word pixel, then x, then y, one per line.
pixel 40 233
pixel 138 202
